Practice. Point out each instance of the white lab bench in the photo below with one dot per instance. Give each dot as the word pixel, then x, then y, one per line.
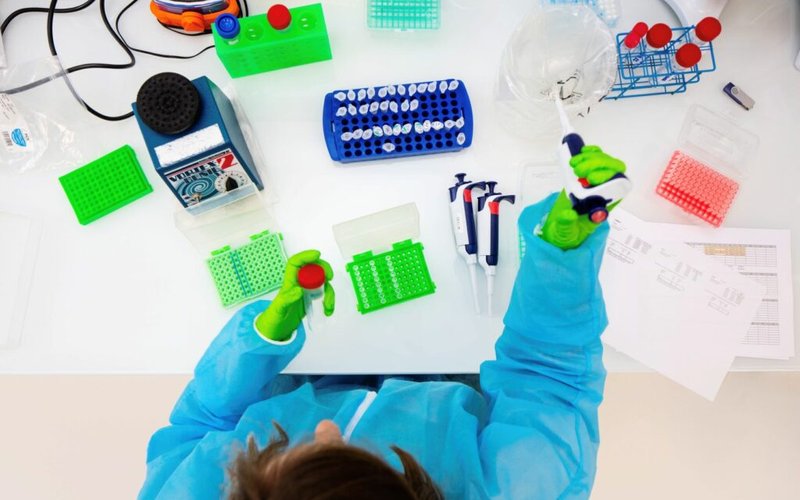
pixel 129 294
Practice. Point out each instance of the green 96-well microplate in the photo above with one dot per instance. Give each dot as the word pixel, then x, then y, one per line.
pixel 404 14
pixel 389 278
pixel 250 270
pixel 104 185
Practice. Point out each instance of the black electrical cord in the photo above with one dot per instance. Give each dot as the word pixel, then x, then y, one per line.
pixel 43 10
pixel 116 34
pixel 151 53
pixel 53 51
pixel 245 12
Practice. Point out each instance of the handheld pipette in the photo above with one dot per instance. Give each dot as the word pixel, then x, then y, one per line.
pixel 488 236
pixel 462 215
pixel 592 201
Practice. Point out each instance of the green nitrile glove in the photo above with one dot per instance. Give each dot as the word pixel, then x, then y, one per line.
pixel 287 310
pixel 563 227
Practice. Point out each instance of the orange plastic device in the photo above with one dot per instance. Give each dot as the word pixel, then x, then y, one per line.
pixel 190 20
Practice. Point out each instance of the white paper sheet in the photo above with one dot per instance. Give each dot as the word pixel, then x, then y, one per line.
pixel 673 308
pixel 763 255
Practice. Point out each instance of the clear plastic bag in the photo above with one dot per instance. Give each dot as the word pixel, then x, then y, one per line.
pixel 36 103
pixel 565 48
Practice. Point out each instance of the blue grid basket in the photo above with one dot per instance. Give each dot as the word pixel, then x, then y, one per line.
pixel 644 71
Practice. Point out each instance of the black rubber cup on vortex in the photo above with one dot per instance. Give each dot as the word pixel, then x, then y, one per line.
pixel 168 103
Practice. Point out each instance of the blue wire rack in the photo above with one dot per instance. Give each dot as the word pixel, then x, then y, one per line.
pixel 644 71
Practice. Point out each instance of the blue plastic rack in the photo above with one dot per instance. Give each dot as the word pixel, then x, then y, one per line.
pixel 393 121
pixel 645 71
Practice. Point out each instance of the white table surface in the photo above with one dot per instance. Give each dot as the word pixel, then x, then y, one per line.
pixel 129 294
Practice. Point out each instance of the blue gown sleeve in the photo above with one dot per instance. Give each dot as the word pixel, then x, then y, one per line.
pixel 235 371
pixel 546 383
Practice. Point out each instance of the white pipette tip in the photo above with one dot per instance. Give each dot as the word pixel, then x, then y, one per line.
pixel 562 116
pixel 489 292
pixel 474 279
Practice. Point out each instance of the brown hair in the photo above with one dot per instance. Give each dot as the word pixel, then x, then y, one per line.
pixel 325 472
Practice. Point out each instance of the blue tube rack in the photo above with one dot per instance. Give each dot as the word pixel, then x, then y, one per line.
pixel 393 121
pixel 644 71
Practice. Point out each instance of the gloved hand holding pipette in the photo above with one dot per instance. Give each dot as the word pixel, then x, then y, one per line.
pixel 594 182
pixel 564 227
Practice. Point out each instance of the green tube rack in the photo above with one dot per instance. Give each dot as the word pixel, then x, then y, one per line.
pixel 404 14
pixel 391 277
pixel 105 185
pixel 251 270
pixel 259 47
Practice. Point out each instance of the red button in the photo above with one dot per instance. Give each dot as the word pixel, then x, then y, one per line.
pixel 279 16
pixel 311 276
pixel 708 29
pixel 599 216
pixel 688 55
pixel 659 35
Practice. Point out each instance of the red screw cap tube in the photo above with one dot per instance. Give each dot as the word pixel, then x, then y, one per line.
pixel 311 276
pixel 688 55
pixel 659 35
pixel 640 29
pixel 708 29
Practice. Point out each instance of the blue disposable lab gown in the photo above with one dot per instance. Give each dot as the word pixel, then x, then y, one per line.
pixel 531 432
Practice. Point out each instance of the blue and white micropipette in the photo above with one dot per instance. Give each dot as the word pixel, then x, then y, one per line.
pixel 489 235
pixel 462 215
pixel 592 201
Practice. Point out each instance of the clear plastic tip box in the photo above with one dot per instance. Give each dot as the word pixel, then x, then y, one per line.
pixel 391 121
pixel 404 14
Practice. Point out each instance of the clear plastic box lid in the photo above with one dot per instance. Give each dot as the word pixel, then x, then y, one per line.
pixel 18 256
pixel 232 218
pixel 377 232
pixel 718 142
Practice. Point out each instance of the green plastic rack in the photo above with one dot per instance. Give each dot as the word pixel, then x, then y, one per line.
pixel 250 270
pixel 105 185
pixel 259 47
pixel 404 14
pixel 389 278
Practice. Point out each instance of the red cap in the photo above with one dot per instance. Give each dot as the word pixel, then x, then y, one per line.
pixel 688 55
pixel 640 29
pixel 708 29
pixel 659 35
pixel 311 276
pixel 631 40
pixel 279 16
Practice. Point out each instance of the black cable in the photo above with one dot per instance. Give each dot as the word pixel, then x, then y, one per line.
pixel 151 53
pixel 53 51
pixel 42 10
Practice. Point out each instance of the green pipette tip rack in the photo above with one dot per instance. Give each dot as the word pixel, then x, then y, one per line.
pixel 250 270
pixel 404 14
pixel 391 277
pixel 259 47
pixel 105 185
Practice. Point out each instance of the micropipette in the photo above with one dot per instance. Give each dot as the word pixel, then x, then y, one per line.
pixel 592 201
pixel 488 235
pixel 462 215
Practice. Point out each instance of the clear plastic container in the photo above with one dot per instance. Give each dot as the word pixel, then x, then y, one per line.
pixel 18 256
pixel 234 217
pixel 377 232
pixel 311 278
pixel 566 50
